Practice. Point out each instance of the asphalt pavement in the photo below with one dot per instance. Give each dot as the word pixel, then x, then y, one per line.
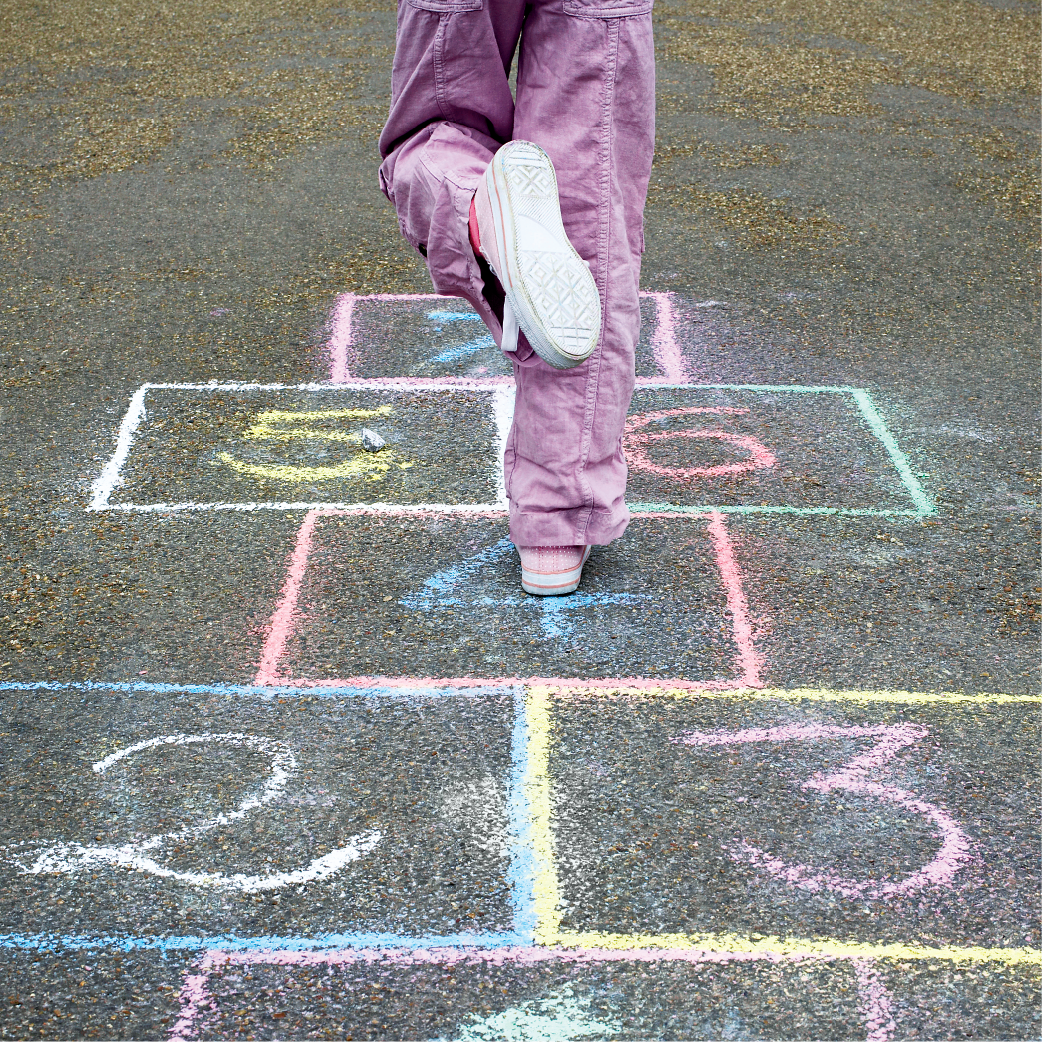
pixel 287 752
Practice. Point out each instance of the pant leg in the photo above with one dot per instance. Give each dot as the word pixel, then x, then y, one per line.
pixel 586 94
pixel 451 108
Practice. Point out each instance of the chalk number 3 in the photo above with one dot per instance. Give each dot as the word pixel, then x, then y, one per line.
pixel 851 777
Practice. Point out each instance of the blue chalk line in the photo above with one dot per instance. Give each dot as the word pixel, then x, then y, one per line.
pixel 471 347
pixel 268 942
pixel 253 690
pixel 447 589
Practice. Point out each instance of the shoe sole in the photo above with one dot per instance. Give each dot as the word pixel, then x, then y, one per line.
pixel 553 584
pixel 547 284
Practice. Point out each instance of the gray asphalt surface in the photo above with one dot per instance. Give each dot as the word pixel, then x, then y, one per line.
pixel 267 773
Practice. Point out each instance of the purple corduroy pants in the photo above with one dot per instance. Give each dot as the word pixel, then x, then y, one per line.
pixel 585 94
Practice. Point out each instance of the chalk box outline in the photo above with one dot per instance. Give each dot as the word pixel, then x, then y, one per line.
pixel 501 404
pixel 748 661
pixel 539 785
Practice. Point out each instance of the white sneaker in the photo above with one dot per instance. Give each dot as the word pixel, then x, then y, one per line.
pixel 549 290
pixel 549 571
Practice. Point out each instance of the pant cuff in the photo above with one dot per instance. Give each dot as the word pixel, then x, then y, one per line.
pixel 578 527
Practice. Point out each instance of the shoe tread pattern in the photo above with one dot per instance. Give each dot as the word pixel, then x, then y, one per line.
pixel 563 291
pixel 558 283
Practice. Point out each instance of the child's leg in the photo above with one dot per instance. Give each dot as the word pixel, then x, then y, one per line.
pixel 586 86
pixel 451 108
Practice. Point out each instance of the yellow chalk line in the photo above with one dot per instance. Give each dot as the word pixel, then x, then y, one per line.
pixel 267 425
pixel 799 694
pixel 545 889
pixel 777 947
pixel 367 465
pixel 546 885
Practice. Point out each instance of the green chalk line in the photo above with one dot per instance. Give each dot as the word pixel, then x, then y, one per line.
pixel 795 388
pixel 674 508
pixel 924 506
pixel 922 501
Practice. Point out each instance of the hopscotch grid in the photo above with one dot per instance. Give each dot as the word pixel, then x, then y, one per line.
pixel 536 937
pixel 547 943
pixel 546 887
pixel 529 804
pixel 748 660
pixel 501 389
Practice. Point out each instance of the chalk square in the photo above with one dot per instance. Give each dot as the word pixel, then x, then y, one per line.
pixel 270 445
pixel 527 997
pixel 415 336
pixel 674 816
pixel 656 604
pixel 382 336
pixel 390 818
pixel 769 449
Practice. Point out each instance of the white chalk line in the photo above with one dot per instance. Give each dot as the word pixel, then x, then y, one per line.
pixel 503 414
pixel 71 858
pixel 109 478
pixel 501 389
pixel 391 509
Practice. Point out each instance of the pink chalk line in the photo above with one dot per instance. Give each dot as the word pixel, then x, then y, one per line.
pixel 749 660
pixel 668 355
pixel 566 685
pixel 852 777
pixel 282 621
pixel 341 341
pixel 197 1004
pixel 194 998
pixel 341 345
pixel 876 1007
pixel 636 442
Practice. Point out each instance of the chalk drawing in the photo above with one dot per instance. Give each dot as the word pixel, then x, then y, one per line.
pixel 852 777
pixel 70 858
pixel 440 592
pixel 452 316
pixel 669 357
pixel 559 1017
pixel 284 424
pixel 457 587
pixel 289 425
pixel 471 347
pixel 503 415
pixel 699 947
pixel 877 1008
pixel 501 395
pixel 537 936
pixel 500 403
pixel 637 442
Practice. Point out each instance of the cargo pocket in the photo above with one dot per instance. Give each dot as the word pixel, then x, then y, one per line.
pixel 606 8
pixel 447 6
